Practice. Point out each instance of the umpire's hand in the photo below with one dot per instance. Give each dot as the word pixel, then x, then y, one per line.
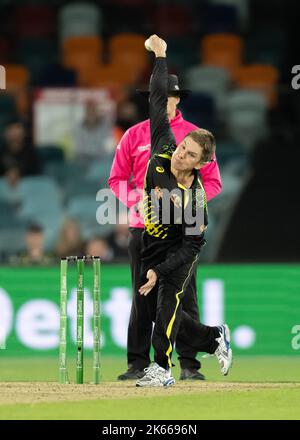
pixel 152 278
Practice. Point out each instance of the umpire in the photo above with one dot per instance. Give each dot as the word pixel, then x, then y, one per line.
pixel 129 169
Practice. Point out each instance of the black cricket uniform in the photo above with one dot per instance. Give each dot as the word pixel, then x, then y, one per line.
pixel 170 249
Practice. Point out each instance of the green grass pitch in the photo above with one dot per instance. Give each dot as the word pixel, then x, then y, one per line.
pixel 256 388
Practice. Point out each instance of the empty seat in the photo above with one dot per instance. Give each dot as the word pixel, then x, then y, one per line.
pixel 80 187
pixel 209 79
pixel 83 63
pixel 17 79
pixel 222 50
pixel 41 203
pixel 246 116
pixel 99 172
pixel 84 209
pixel 112 76
pixel 79 19
pixel 261 77
pixel 8 213
pixel 76 44
pixel 127 50
pixel 12 240
pixel 16 76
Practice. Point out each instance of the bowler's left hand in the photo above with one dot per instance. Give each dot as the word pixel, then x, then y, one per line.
pixel 152 278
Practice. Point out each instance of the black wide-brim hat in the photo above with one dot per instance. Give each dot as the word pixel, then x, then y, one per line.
pixel 173 87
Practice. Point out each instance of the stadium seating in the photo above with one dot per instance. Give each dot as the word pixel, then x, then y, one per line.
pixel 127 51
pixel 246 116
pixel 44 208
pixel 78 19
pixel 209 79
pixel 12 240
pixel 84 209
pixel 260 77
pixel 83 63
pixel 82 53
pixel 86 43
pixel 35 54
pixel 17 79
pixel 222 50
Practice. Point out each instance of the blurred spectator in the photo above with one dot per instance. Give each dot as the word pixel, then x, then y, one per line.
pixel 119 240
pixel 12 175
pixel 69 240
pixel 18 156
pixel 34 253
pixel 10 188
pixel 94 136
pixel 99 247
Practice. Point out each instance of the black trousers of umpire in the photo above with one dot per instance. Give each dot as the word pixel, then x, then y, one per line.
pixel 140 323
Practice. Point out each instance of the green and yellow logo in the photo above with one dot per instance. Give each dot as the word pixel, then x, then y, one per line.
pixel 160 169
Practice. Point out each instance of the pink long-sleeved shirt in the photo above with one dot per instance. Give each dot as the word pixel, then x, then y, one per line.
pixel 128 170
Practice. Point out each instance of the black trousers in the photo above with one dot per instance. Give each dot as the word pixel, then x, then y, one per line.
pixel 141 317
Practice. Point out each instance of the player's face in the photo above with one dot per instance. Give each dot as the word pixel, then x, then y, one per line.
pixel 187 155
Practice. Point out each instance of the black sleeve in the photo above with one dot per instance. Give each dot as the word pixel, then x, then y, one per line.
pixel 161 133
pixel 190 248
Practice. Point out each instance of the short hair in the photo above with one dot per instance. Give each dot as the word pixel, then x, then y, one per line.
pixel 206 140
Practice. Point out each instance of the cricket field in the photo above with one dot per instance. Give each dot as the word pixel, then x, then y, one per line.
pixel 256 388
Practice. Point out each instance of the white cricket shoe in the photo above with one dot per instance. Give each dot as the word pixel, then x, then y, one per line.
pixel 156 376
pixel 223 352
